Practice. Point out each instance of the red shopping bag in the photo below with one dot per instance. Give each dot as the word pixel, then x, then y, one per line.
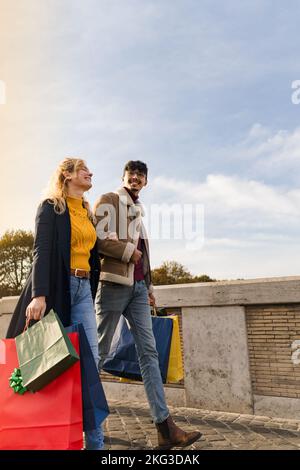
pixel 50 419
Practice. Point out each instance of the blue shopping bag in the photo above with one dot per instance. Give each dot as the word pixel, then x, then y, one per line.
pixel 95 407
pixel 122 359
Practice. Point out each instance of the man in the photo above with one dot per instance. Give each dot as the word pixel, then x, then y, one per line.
pixel 125 289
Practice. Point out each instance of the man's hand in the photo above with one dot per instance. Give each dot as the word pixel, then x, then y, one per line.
pixel 151 300
pixel 137 255
pixel 36 308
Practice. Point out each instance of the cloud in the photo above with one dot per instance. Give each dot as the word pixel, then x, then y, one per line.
pixel 233 261
pixel 232 194
pixel 271 155
pixel 251 228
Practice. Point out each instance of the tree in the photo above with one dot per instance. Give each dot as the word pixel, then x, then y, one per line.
pixel 171 272
pixel 15 260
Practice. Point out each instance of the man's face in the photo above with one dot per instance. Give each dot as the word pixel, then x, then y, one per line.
pixel 134 180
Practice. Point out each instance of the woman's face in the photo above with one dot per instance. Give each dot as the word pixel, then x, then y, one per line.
pixel 82 179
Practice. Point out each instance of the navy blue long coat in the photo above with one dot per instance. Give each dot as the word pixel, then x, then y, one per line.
pixel 50 273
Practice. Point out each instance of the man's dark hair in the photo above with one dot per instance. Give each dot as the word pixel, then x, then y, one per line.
pixel 136 165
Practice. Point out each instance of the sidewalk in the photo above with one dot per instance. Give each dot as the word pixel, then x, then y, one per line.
pixel 129 426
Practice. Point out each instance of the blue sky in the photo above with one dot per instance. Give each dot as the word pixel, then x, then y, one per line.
pixel 200 90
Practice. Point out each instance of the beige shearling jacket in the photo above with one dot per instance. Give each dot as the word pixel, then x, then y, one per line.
pixel 119 226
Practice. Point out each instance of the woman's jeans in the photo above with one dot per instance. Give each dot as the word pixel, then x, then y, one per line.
pixel 82 311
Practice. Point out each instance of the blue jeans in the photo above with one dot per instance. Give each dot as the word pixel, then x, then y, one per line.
pixel 82 311
pixel 114 300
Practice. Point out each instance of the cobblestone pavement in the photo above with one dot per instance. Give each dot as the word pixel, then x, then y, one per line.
pixel 129 426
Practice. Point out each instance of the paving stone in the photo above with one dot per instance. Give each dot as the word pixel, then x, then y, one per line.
pixel 291 427
pixel 266 447
pixel 238 426
pixel 227 419
pixel 263 419
pixel 256 423
pixel 274 425
pixel 130 427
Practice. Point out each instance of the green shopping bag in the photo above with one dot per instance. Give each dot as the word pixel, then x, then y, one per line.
pixel 44 352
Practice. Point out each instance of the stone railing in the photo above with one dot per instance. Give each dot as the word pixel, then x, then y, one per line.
pixel 241 343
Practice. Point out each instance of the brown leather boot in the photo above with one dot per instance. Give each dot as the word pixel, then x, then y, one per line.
pixel 170 435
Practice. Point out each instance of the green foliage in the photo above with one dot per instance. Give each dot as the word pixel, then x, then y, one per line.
pixel 171 272
pixel 15 260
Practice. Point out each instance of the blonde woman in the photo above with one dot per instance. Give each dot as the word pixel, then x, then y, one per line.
pixel 65 268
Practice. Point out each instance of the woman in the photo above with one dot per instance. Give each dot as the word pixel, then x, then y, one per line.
pixel 65 270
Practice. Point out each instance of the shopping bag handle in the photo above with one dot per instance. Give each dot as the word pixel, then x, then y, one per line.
pixel 158 312
pixel 27 324
pixel 154 311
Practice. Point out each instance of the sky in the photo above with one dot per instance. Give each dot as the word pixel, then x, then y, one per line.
pixel 201 90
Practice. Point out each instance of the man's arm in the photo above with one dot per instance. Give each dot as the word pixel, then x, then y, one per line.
pixel 108 242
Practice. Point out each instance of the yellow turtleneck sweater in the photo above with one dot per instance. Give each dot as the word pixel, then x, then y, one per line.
pixel 83 234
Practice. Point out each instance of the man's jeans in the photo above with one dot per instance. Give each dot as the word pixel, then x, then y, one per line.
pixel 112 301
pixel 82 311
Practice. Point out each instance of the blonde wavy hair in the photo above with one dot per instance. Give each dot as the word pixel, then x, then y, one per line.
pixel 57 190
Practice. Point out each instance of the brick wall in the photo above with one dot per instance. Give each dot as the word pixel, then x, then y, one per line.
pixel 271 331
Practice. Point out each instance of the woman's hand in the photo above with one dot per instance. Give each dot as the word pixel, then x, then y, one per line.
pixel 36 308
